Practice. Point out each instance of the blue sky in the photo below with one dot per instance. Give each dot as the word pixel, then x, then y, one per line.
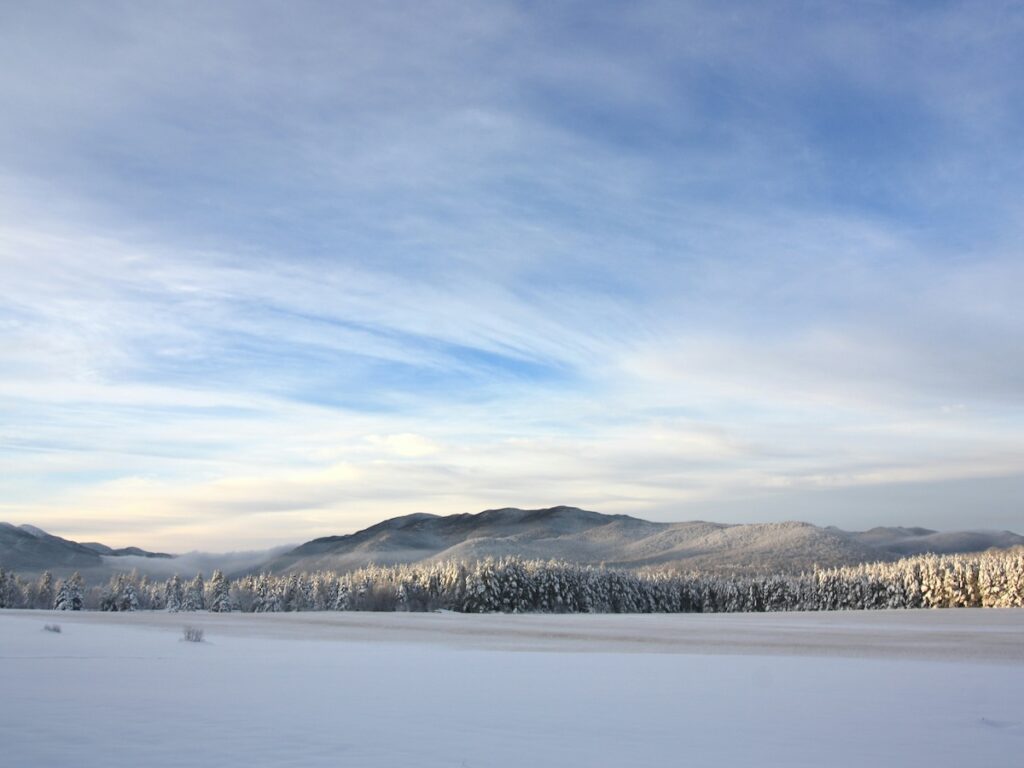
pixel 276 271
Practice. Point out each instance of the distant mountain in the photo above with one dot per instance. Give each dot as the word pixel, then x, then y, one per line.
pixel 568 533
pixel 27 549
pixel 558 533
pixel 917 541
pixel 103 549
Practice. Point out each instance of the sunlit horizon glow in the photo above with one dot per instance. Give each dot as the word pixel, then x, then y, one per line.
pixel 276 272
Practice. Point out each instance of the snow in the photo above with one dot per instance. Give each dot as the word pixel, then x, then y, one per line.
pixel 911 688
pixel 39 533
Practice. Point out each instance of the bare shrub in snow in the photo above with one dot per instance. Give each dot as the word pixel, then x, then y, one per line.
pixel 52 628
pixel 192 634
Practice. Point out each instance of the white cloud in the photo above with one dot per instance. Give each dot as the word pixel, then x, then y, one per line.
pixel 406 444
pixel 365 265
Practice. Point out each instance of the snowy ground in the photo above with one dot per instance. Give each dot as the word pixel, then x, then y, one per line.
pixel 914 688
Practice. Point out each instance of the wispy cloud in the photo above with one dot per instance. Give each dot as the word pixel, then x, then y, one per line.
pixel 269 273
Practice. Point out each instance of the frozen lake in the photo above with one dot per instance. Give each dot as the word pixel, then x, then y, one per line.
pixel 928 688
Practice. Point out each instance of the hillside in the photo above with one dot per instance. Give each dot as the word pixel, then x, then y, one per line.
pixel 568 533
pixel 28 549
pixel 556 533
pixel 917 541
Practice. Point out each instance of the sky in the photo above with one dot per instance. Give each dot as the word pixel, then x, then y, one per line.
pixel 271 271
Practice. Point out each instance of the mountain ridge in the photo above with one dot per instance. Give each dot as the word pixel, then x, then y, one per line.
pixel 550 533
pixel 31 549
pixel 571 533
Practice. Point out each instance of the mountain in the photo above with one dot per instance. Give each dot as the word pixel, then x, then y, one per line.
pixel 917 541
pixel 568 533
pixel 103 549
pixel 559 533
pixel 27 549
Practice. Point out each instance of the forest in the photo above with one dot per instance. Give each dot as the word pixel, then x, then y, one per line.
pixel 992 579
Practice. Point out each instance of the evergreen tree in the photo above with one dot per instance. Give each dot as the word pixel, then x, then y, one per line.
pixel 69 594
pixel 173 594
pixel 45 593
pixel 991 579
pixel 220 594
pixel 194 598
pixel 128 599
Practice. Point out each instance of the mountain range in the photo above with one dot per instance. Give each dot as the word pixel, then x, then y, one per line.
pixel 563 533
pixel 569 533
pixel 25 548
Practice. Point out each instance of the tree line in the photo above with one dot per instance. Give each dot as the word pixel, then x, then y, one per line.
pixel 512 585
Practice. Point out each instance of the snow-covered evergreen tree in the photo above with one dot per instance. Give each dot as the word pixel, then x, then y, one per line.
pixel 45 592
pixel 7 590
pixel 173 594
pixel 194 597
pixel 991 579
pixel 220 594
pixel 69 593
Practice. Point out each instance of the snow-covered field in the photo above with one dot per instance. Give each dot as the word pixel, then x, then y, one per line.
pixel 913 688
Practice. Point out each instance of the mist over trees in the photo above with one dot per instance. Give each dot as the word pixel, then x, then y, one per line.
pixel 989 580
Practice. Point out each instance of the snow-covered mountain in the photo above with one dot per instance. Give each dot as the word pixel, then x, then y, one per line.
pixel 568 533
pixel 559 533
pixel 918 541
pixel 28 549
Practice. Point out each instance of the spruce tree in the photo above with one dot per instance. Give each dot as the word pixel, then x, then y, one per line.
pixel 45 593
pixel 194 598
pixel 220 595
pixel 173 594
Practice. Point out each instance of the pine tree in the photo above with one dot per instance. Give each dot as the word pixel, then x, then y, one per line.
pixel 75 587
pixel 110 598
pixel 194 598
pixel 173 594
pixel 45 593
pixel 69 594
pixel 220 595
pixel 129 597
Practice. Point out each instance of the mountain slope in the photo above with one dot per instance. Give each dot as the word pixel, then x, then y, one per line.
pixel 916 541
pixel 557 533
pixel 103 549
pixel 28 549
pixel 568 533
